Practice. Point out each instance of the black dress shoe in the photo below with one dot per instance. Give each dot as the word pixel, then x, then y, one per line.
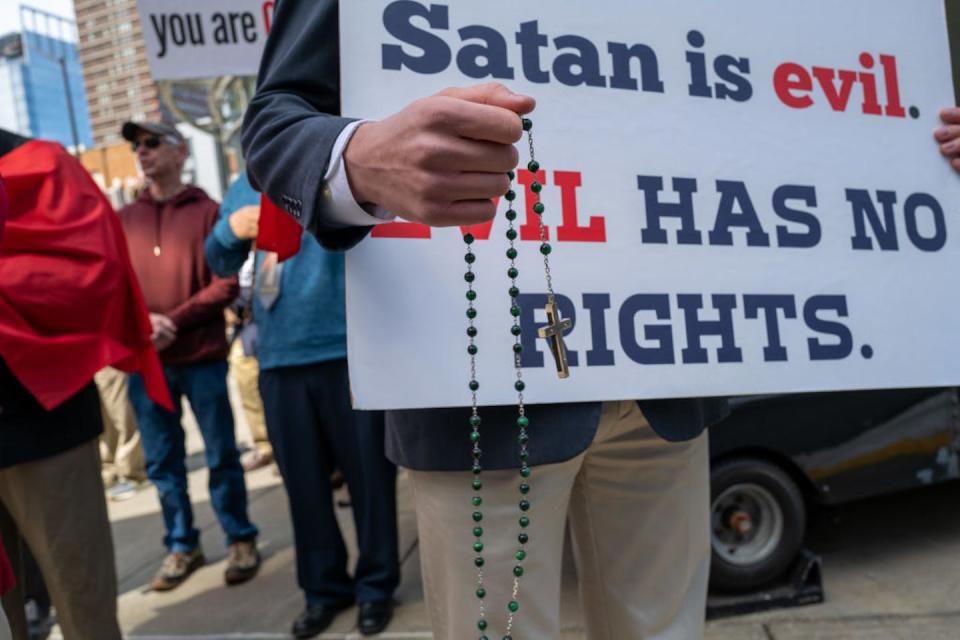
pixel 374 617
pixel 315 619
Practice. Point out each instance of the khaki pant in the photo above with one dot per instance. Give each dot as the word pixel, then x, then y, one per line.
pixel 57 506
pixel 120 447
pixel 246 371
pixel 638 510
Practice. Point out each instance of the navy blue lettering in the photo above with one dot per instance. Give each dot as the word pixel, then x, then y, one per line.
pixel 844 345
pixel 696 328
pixel 531 40
pixel 770 305
pixel 582 67
pixel 792 239
pixel 653 233
pixel 397 19
pixel 699 87
pixel 530 304
pixel 734 195
pixel 662 334
pixel 863 210
pixel 597 304
pixel 939 238
pixel 493 52
pixel 649 67
pixel 735 86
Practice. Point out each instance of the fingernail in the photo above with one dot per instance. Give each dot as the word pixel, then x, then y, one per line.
pixel 941 133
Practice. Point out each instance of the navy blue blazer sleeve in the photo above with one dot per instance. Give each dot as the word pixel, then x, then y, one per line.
pixel 294 119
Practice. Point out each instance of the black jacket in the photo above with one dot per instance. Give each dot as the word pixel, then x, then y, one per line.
pixel 289 131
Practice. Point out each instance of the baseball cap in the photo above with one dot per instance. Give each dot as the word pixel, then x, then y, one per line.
pixel 167 132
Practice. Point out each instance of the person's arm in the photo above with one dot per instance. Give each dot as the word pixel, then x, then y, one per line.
pixel 225 250
pixel 949 136
pixel 439 161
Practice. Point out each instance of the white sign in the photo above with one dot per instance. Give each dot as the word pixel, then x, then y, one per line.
pixel 742 197
pixel 204 39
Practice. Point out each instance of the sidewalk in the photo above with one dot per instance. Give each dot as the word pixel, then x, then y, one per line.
pixel 886 577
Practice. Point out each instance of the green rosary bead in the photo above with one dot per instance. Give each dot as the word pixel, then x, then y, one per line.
pixel 512 253
pixel 510 195
pixel 474 385
pixel 527 123
pixel 478 561
pixel 472 332
pixel 477 469
pixel 523 538
pixel 523 422
pixel 524 488
pixel 482 625
pixel 471 295
pixel 470 258
pixel 477 516
pixel 468 238
pixel 521 555
pixel 471 313
pixel 514 606
pixel 545 249
pixel 517 348
pixel 475 421
pixel 474 437
pixel 477 532
pixel 511 175
pixel 477 485
pixel 533 166
pixel 518 571
pixel 511 215
pixel 473 350
pixel 519 385
pixel 515 311
pixel 524 521
pixel 523 438
pixel 477 501
pixel 512 273
pixel 478 547
pixel 536 187
pixel 525 472
pixel 481 593
pixel 514 292
pixel 524 505
pixel 539 208
pixel 511 234
pixel 516 330
pixel 469 276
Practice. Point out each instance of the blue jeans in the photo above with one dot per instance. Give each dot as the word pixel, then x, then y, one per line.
pixel 205 385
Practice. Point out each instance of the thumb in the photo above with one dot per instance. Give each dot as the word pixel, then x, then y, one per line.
pixel 494 94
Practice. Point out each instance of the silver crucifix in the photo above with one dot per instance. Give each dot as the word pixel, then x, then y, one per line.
pixel 553 332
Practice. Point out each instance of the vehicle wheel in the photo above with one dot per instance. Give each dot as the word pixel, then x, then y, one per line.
pixel 758 519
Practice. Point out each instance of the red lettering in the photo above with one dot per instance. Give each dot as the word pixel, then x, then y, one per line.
pixel 268 14
pixel 838 98
pixel 790 78
pixel 401 229
pixel 871 106
pixel 894 108
pixel 570 230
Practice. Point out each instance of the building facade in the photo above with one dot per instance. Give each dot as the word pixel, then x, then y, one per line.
pixel 116 73
pixel 41 81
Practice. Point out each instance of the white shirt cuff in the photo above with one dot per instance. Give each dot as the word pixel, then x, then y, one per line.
pixel 342 207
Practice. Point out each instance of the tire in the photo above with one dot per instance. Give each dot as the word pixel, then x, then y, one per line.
pixel 757 519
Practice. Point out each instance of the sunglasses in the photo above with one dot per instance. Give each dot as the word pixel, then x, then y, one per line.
pixel 149 143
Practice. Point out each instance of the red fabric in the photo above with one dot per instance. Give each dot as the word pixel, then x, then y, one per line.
pixel 3 208
pixel 69 301
pixel 277 231
pixel 6 572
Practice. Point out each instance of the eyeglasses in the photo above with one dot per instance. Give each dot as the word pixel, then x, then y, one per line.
pixel 149 143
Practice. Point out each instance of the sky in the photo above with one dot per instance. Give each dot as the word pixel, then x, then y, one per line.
pixel 10 11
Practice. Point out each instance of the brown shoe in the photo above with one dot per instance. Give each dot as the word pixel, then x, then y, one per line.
pixel 176 568
pixel 243 562
pixel 257 459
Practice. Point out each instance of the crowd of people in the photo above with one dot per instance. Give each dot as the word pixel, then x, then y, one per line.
pixel 150 307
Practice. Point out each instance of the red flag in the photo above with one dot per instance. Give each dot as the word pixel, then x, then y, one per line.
pixel 70 304
pixel 277 231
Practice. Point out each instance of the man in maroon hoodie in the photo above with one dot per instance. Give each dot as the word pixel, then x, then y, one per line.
pixel 166 228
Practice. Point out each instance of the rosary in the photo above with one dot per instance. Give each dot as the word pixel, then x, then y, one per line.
pixel 553 331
